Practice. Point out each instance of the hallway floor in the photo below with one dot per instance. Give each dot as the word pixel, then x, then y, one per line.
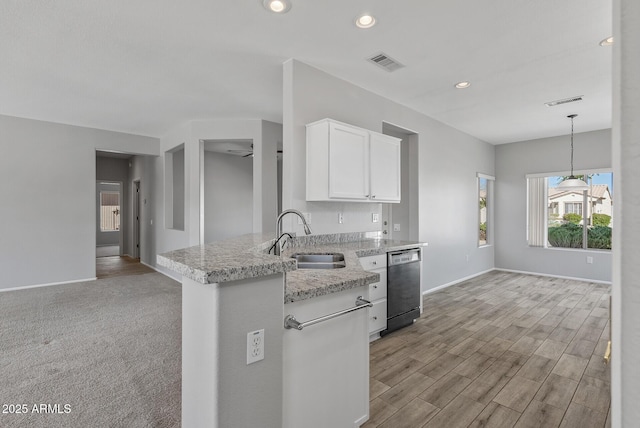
pixel 109 267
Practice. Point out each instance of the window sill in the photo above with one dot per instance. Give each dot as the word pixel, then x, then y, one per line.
pixel 581 250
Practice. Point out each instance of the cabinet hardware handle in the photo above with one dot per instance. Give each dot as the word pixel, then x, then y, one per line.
pixel 375 318
pixel 366 196
pixel 291 322
pixel 373 196
pixel 375 286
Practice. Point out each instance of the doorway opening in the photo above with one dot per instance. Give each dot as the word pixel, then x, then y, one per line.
pixel 228 188
pixel 400 221
pixel 119 214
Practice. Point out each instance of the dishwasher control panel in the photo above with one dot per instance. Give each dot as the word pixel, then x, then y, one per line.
pixel 405 256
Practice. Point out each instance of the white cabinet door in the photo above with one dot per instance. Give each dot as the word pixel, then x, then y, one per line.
pixel 326 365
pixel 384 154
pixel 377 294
pixel 348 162
pixel 378 316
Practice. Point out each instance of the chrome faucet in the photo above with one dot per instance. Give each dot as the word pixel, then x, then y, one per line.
pixel 279 233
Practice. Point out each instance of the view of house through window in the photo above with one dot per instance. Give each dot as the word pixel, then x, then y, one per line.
pixel 109 211
pixel 574 218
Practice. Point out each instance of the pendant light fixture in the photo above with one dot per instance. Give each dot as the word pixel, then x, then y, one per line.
pixel 573 183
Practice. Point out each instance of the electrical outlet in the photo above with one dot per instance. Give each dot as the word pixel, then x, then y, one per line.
pixel 255 346
pixel 396 227
pixel 589 260
pixel 340 218
pixel 375 217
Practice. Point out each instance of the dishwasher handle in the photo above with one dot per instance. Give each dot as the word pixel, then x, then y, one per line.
pixel 291 322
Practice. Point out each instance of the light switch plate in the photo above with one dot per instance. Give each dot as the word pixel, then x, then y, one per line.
pixel 396 227
pixel 375 217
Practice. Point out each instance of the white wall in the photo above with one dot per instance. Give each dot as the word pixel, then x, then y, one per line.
pixel 447 196
pixel 166 238
pixel 228 196
pixel 513 162
pixel 48 190
pixel 264 135
pixel 625 371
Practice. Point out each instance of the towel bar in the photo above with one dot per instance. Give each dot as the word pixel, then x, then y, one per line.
pixel 291 322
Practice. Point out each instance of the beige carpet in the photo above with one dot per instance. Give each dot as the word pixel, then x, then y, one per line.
pixel 104 353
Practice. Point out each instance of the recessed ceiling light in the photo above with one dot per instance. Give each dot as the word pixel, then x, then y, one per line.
pixel 462 85
pixel 607 42
pixel 277 6
pixel 365 21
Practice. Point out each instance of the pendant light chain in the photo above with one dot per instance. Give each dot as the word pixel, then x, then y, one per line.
pixel 571 145
pixel 572 116
pixel 572 183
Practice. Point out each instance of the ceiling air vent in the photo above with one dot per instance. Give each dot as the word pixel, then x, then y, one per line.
pixel 565 101
pixel 385 61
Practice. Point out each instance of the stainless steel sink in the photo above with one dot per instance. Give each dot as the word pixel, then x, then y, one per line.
pixel 320 261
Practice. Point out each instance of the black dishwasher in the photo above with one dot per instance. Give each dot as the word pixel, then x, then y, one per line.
pixel 403 288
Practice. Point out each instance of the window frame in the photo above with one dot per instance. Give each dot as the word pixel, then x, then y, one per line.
pixel 546 176
pixel 490 179
pixel 111 192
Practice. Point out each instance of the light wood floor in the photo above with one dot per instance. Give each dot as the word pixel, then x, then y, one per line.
pixel 500 350
pixel 108 267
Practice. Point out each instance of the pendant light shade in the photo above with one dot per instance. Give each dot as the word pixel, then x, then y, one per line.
pixel 573 183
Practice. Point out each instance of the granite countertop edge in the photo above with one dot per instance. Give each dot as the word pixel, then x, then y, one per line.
pixel 245 257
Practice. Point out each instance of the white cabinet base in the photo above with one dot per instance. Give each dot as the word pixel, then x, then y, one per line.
pixel 326 365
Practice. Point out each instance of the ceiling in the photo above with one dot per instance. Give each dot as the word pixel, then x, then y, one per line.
pixel 143 67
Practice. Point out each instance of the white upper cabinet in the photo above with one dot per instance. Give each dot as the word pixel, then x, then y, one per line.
pixel 384 153
pixel 348 163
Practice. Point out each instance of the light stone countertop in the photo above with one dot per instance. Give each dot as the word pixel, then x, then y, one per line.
pixel 246 257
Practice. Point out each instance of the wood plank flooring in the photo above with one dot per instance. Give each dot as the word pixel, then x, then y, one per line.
pixel 109 267
pixel 499 350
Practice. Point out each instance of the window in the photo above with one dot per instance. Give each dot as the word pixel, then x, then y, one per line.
pixel 109 211
pixel 561 218
pixel 485 201
pixel 573 208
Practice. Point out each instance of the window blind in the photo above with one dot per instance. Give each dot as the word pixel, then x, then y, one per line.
pixel 536 211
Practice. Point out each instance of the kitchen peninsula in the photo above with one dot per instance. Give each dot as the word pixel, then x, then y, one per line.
pixel 232 288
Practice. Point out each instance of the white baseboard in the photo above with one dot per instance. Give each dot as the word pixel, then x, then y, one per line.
pixel 555 276
pixel 24 287
pixel 457 281
pixel 168 275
